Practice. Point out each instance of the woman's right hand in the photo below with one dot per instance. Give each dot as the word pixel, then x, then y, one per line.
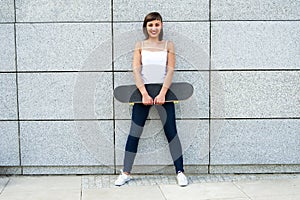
pixel 147 100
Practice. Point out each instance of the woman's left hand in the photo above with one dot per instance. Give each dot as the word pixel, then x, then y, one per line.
pixel 159 99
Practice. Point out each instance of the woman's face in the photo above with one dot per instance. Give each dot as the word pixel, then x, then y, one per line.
pixel 153 28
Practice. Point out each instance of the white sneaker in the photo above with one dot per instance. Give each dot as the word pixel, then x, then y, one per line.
pixel 122 179
pixel 181 179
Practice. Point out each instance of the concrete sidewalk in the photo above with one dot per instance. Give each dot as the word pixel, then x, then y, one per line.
pixel 154 187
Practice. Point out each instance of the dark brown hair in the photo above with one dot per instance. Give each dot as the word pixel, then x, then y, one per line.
pixel 150 17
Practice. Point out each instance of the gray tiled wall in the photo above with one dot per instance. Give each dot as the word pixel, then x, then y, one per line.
pixel 255 10
pixel 8 106
pixel 7 11
pixel 65 10
pixel 61 60
pixel 255 142
pixel 7 54
pixel 62 46
pixel 52 143
pixel 255 94
pixel 9 155
pixel 136 10
pixel 255 45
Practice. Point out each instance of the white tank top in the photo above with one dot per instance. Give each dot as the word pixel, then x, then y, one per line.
pixel 154 65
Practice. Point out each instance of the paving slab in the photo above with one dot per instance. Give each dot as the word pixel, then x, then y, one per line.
pixel 225 190
pixel 271 189
pixel 285 197
pixel 124 193
pixel 42 187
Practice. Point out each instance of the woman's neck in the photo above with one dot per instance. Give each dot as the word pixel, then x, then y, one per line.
pixel 153 40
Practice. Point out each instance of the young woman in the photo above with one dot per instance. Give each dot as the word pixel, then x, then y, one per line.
pixel 153 62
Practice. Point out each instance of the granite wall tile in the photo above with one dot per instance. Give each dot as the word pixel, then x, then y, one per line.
pixel 10 170
pixel 65 10
pixel 255 45
pixel 199 100
pixel 255 142
pixel 255 94
pixel 8 97
pixel 67 143
pixel 255 10
pixel 83 95
pixel 191 42
pixel 153 146
pixel 64 47
pixel 57 170
pixel 9 144
pixel 7 11
pixel 180 11
pixel 7 50
pixel 256 169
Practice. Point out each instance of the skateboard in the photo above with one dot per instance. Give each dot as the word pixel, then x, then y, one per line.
pixel 178 91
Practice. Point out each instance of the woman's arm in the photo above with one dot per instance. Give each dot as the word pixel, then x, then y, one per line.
pixel 137 68
pixel 160 99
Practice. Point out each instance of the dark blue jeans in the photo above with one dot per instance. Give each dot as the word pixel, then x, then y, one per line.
pixel 139 116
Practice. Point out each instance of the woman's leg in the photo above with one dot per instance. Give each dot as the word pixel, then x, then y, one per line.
pixel 139 116
pixel 167 116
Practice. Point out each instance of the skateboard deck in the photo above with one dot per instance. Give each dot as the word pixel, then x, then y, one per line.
pixel 178 91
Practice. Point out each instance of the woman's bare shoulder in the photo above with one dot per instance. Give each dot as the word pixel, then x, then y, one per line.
pixel 170 43
pixel 138 45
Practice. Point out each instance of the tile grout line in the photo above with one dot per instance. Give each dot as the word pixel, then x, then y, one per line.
pixel 130 71
pixel 81 177
pixel 124 119
pixel 113 84
pixel 17 88
pixel 1 191
pixel 162 193
pixel 209 92
pixel 167 21
pixel 240 189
